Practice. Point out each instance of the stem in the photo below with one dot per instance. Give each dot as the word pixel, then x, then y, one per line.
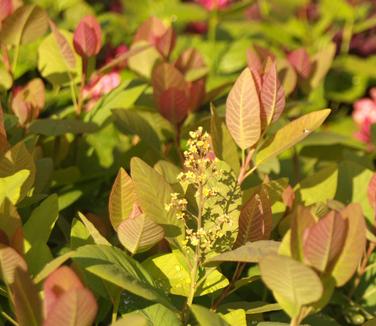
pixel 213 22
pixel 238 271
pixel 9 318
pixel 177 144
pixel 347 36
pixel 15 58
pixel 83 83
pixel 362 268
pixel 198 247
pixel 294 321
pixel 245 165
pixel 115 308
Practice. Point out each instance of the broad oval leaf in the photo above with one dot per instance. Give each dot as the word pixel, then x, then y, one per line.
pixel 243 111
pixel 94 233
pixel 139 234
pixel 272 94
pixel 26 299
pixel 65 48
pixel 25 25
pixel 204 316
pixel 87 38
pixel 153 193
pixel 354 246
pixel 76 307
pixel 255 221
pixel 173 105
pixel 122 198
pixel 324 241
pixel 301 62
pixel 10 260
pixel 250 252
pixel 291 134
pixel 294 285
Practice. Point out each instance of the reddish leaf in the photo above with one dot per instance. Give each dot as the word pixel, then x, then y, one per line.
pixel 166 76
pixel 76 307
pixel 173 105
pixel 255 221
pixel 6 8
pixel 301 62
pixel 288 196
pixel 243 111
pixel 196 94
pixel 323 242
pixel 272 94
pixel 372 192
pixel 166 43
pixel 302 219
pixel 65 48
pixel 354 246
pixel 57 283
pixel 3 135
pixel 87 38
pixel 27 302
pixel 189 59
pixel 151 31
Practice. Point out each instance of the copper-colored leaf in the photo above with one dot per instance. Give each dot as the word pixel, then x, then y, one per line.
pixel 87 38
pixel 76 307
pixel 122 198
pixel 354 246
pixel 173 105
pixel 243 111
pixel 27 302
pixel 323 241
pixel 57 283
pixel 166 43
pixel 272 94
pixel 301 62
pixel 188 60
pixel 255 221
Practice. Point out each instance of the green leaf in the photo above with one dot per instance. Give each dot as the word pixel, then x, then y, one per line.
pixel 25 25
pixel 153 194
pixel 122 198
pixel 152 315
pixel 37 257
pixel 294 285
pixel 290 135
pixel 354 246
pixel 38 227
pixel 139 234
pixel 54 127
pixel 11 225
pixel 250 252
pixel 204 316
pixel 236 317
pixel 27 302
pixel 175 278
pixel 95 234
pixel 243 111
pixel 320 186
pixel 51 266
pixel 10 187
pixel 321 62
pixel 115 266
pixel 131 122
pixel 224 146
pixel 52 62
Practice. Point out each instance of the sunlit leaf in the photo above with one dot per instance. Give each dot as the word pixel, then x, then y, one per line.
pixel 324 241
pixel 291 134
pixel 95 234
pixel 250 252
pixel 243 111
pixel 139 233
pixel 10 260
pixel 204 316
pixel 294 285
pixel 25 25
pixel 10 187
pixel 354 246
pixel 255 221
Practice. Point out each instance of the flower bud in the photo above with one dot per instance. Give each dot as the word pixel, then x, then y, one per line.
pixel 87 38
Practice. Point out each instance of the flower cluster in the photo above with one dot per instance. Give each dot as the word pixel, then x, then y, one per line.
pixel 203 229
pixel 364 115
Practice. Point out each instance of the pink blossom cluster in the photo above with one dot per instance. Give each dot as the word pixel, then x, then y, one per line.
pixel 364 115
pixel 213 4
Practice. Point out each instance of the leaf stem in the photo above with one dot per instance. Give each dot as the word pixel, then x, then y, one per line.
pixel 9 318
pixel 15 59
pixel 115 307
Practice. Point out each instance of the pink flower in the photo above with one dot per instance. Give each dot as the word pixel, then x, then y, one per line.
pixel 364 115
pixel 214 4
pixel 99 86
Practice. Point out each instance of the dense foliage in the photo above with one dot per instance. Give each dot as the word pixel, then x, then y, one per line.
pixel 167 162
